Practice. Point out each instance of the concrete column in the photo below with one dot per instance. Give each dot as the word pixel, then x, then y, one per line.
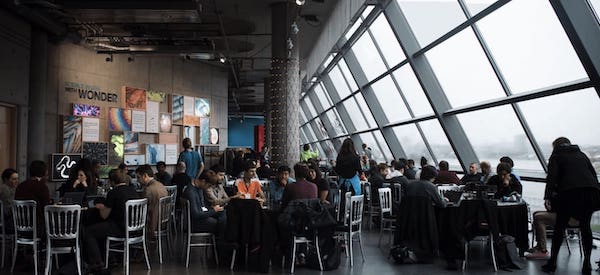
pixel 267 100
pixel 284 86
pixel 38 78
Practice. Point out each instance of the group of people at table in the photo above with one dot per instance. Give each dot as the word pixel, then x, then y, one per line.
pixel 572 192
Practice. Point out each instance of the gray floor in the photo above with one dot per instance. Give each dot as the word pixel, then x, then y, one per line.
pixel 375 263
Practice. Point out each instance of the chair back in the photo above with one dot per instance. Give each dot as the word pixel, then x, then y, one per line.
pixel 356 211
pixel 2 216
pixel 385 200
pixel 367 190
pixel 24 216
pixel 397 193
pixel 62 221
pixel 135 215
pixel 172 190
pixel 188 214
pixel 165 209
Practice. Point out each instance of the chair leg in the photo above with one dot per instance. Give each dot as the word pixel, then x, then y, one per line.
pixel 493 253
pixel 107 250
pixel 14 260
pixel 232 259
pixel 187 254
pixel 3 251
pixel 215 250
pixel 464 264
pixel 579 240
pixel 362 253
pixel 48 259
pixel 146 253
pixel 350 249
pixel 567 241
pixel 78 258
pixel 160 252
pixel 318 251
pixel 293 255
pixel 380 233
pixel 126 257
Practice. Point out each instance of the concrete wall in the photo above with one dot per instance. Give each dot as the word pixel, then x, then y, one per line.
pixel 242 133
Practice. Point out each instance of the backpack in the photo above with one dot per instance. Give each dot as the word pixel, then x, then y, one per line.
pixel 401 254
pixel 507 256
pixel 330 250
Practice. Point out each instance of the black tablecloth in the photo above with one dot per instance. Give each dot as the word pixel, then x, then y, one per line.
pixel 454 224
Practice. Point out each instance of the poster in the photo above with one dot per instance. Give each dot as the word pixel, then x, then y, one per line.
pixel 171 154
pixel 155 153
pixel 188 106
pixel 96 151
pixel 202 107
pixel 165 123
pixel 131 143
pixel 156 96
pixel 115 149
pixel 138 121
pixel 177 109
pixel 204 131
pixel 72 139
pixel 214 136
pixel 191 120
pixel 86 110
pixel 91 129
pixel 119 119
pixel 134 98
pixel 135 160
pixel 62 165
pixel 152 113
pixel 189 132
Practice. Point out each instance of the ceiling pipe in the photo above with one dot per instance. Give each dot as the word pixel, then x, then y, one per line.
pixel 231 65
pixel 39 19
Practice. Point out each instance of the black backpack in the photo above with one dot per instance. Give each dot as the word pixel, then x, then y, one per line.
pixel 401 254
pixel 507 256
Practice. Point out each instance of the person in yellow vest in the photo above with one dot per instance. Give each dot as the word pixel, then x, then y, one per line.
pixel 307 154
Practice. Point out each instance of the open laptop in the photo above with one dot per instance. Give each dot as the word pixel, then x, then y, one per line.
pixel 453 196
pixel 73 198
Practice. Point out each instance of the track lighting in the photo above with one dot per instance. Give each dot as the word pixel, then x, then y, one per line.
pixel 300 2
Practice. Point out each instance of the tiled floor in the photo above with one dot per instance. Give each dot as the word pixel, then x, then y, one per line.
pixel 375 263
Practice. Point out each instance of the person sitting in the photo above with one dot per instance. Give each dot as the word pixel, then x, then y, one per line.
pixel 410 172
pixel 79 184
pixel 180 178
pixel 301 189
pixel 424 187
pixel 35 188
pixel 541 220
pixel 376 180
pixel 401 178
pixel 446 176
pixel 10 180
pixel 315 176
pixel 112 212
pixel 506 182
pixel 248 187
pixel 486 171
pixel 162 175
pixel 153 191
pixel 264 171
pixel 424 163
pixel 510 162
pixel 473 175
pixel 393 172
pixel 214 191
pixel 307 154
pixel 205 217
pixel 277 186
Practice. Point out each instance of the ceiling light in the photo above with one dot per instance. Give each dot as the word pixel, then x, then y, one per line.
pixel 222 59
pixel 300 2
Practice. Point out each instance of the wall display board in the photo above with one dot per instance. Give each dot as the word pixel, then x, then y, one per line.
pixel 168 138
pixel 204 131
pixel 86 110
pixel 177 109
pixel 156 96
pixel 138 121
pixel 165 123
pixel 131 143
pixel 202 107
pixel 135 160
pixel 171 154
pixel 135 98
pixel 72 135
pixel 62 165
pixel 189 132
pixel 188 106
pixel 96 151
pixel 119 119
pixel 152 117
pixel 155 153
pixel 214 136
pixel 91 129
pixel 191 120
pixel 115 148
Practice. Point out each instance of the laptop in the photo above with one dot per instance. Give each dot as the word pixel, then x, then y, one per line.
pixel 73 198
pixel 453 196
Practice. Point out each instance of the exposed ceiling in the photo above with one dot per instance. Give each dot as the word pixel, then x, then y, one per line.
pixel 238 30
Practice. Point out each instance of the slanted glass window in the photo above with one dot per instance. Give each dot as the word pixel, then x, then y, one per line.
pixel 369 59
pixel 317 146
pixel 367 11
pixel 336 122
pixel 463 70
pixel 349 77
pixel 328 60
pixel 390 100
pixel 439 144
pixel 556 116
pixel 376 154
pixel 341 87
pixel 356 117
pixel 530 46
pixel 328 149
pixel 430 19
pixel 476 6
pixel 496 132
pixel 366 110
pixel 595 4
pixel 353 29
pixel 303 139
pixel 383 146
pixel 319 128
pixel 411 141
pixel 309 107
pixel 386 40
pixel 303 119
pixel 322 95
pixel 405 76
pixel 310 134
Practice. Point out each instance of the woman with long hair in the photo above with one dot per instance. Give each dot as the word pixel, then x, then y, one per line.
pixel 348 167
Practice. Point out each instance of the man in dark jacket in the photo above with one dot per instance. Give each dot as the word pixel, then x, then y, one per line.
pixel 445 176
pixel 473 175
pixel 205 218
pixel 506 182
pixel 301 189
pixel 425 187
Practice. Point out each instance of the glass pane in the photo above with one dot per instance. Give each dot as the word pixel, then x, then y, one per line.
pixel 341 87
pixel 368 57
pixel 439 144
pixel 328 60
pixel 353 29
pixel 573 123
pixel 405 76
pixel 463 70
pixel 367 10
pixel 328 150
pixel 533 194
pixel 317 146
pixel 322 96
pixel 496 132
pixel 386 40
pixel 430 19
pixel 319 129
pixel 355 116
pixel 310 134
pixel 390 100
pixel 383 146
pixel 519 36
pixel 411 142
pixel 308 106
pixel 368 139
pixel 366 110
pixel 476 6
pixel 336 122
pixel 596 7
pixel 302 117
pixel 348 75
pixel 303 139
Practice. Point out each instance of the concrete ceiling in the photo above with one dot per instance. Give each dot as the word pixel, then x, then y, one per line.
pixel 239 30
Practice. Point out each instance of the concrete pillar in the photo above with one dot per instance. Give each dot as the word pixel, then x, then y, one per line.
pixel 267 100
pixel 284 86
pixel 38 77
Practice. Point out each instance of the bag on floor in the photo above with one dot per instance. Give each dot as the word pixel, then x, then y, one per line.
pixel 507 256
pixel 401 254
pixel 330 250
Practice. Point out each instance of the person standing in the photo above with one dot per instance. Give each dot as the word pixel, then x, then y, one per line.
pixel 367 151
pixel 348 167
pixel 307 154
pixel 572 180
pixel 193 161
